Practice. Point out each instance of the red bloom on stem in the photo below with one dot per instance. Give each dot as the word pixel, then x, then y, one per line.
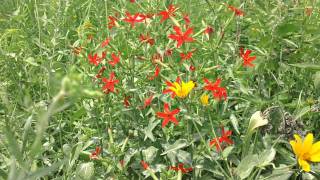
pixel 223 139
pixel 126 102
pixel 136 18
pixel 96 153
pixel 168 115
pixel 95 59
pixel 217 92
pixel 144 165
pixel 105 42
pixel 170 84
pixel 181 37
pixel 156 57
pixel 156 73
pixel 246 57
pixel 109 83
pixel 208 30
pixel 132 1
pixel 186 56
pixel 148 101
pixel 167 13
pixel 192 68
pixel 115 59
pixel 146 39
pixel 181 168
pixel 237 11
pixel 168 52
pixel 112 22
pixel 101 72
pixel 186 18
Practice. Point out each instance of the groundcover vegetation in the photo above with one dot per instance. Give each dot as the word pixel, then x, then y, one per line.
pixel 159 89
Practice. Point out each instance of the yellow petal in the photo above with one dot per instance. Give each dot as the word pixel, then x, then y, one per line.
pixel 315 148
pixel 294 147
pixel 315 157
pixel 304 165
pixel 307 143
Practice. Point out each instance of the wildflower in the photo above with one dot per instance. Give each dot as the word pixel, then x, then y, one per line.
pixel 168 52
pixel 246 57
pixel 132 19
pixel 95 59
pixel 101 72
pixel 96 153
pixel 132 1
pixel 204 99
pixel 223 139
pixel 148 101
pixel 156 57
pixel 179 88
pixel 109 83
pixel 192 68
pixel 237 11
pixel 306 151
pixel 146 39
pixel 112 22
pixel 181 37
pixel 166 14
pixel 126 102
pixel 156 73
pixel 186 18
pixel 217 92
pixel 168 115
pixel 115 59
pixel 186 56
pixel 181 168
pixel 144 165
pixel 105 43
pixel 208 30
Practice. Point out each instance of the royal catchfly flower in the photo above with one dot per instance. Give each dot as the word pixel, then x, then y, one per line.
pixel 95 59
pixel 167 13
pixel 96 153
pixel 186 56
pixel 100 72
pixel 217 92
pixel 146 39
pixel 136 18
pixel 181 37
pixel 156 73
pixel 109 83
pixel 105 42
pixel 112 22
pixel 218 141
pixel 148 101
pixel 144 165
pixel 181 168
pixel 247 60
pixel 306 151
pixel 115 59
pixel 168 115
pixel 236 11
pixel 179 88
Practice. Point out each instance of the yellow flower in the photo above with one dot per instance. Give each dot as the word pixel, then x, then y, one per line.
pixel 204 99
pixel 306 151
pixel 183 89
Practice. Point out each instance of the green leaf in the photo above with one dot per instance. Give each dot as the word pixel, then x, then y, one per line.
pixel 234 122
pixel 181 143
pixel 309 66
pixel 227 151
pixel 246 166
pixel 287 28
pixel 46 170
pixel 266 157
pixel 316 80
pixel 149 154
pixel 281 173
pixel 301 112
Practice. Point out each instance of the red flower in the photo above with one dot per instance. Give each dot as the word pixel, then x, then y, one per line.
pixel 146 39
pixel 223 139
pixel 181 37
pixel 208 30
pixel 126 102
pixel 181 168
pixel 95 59
pixel 148 101
pixel 112 22
pixel 186 18
pixel 109 83
pixel 237 11
pixel 96 153
pixel 217 92
pixel 144 165
pixel 192 68
pixel 186 56
pixel 132 19
pixel 246 57
pixel 115 59
pixel 166 14
pixel 101 72
pixel 105 43
pixel 168 115
pixel 156 57
pixel 132 1
pixel 170 84
pixel 156 73
pixel 168 52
